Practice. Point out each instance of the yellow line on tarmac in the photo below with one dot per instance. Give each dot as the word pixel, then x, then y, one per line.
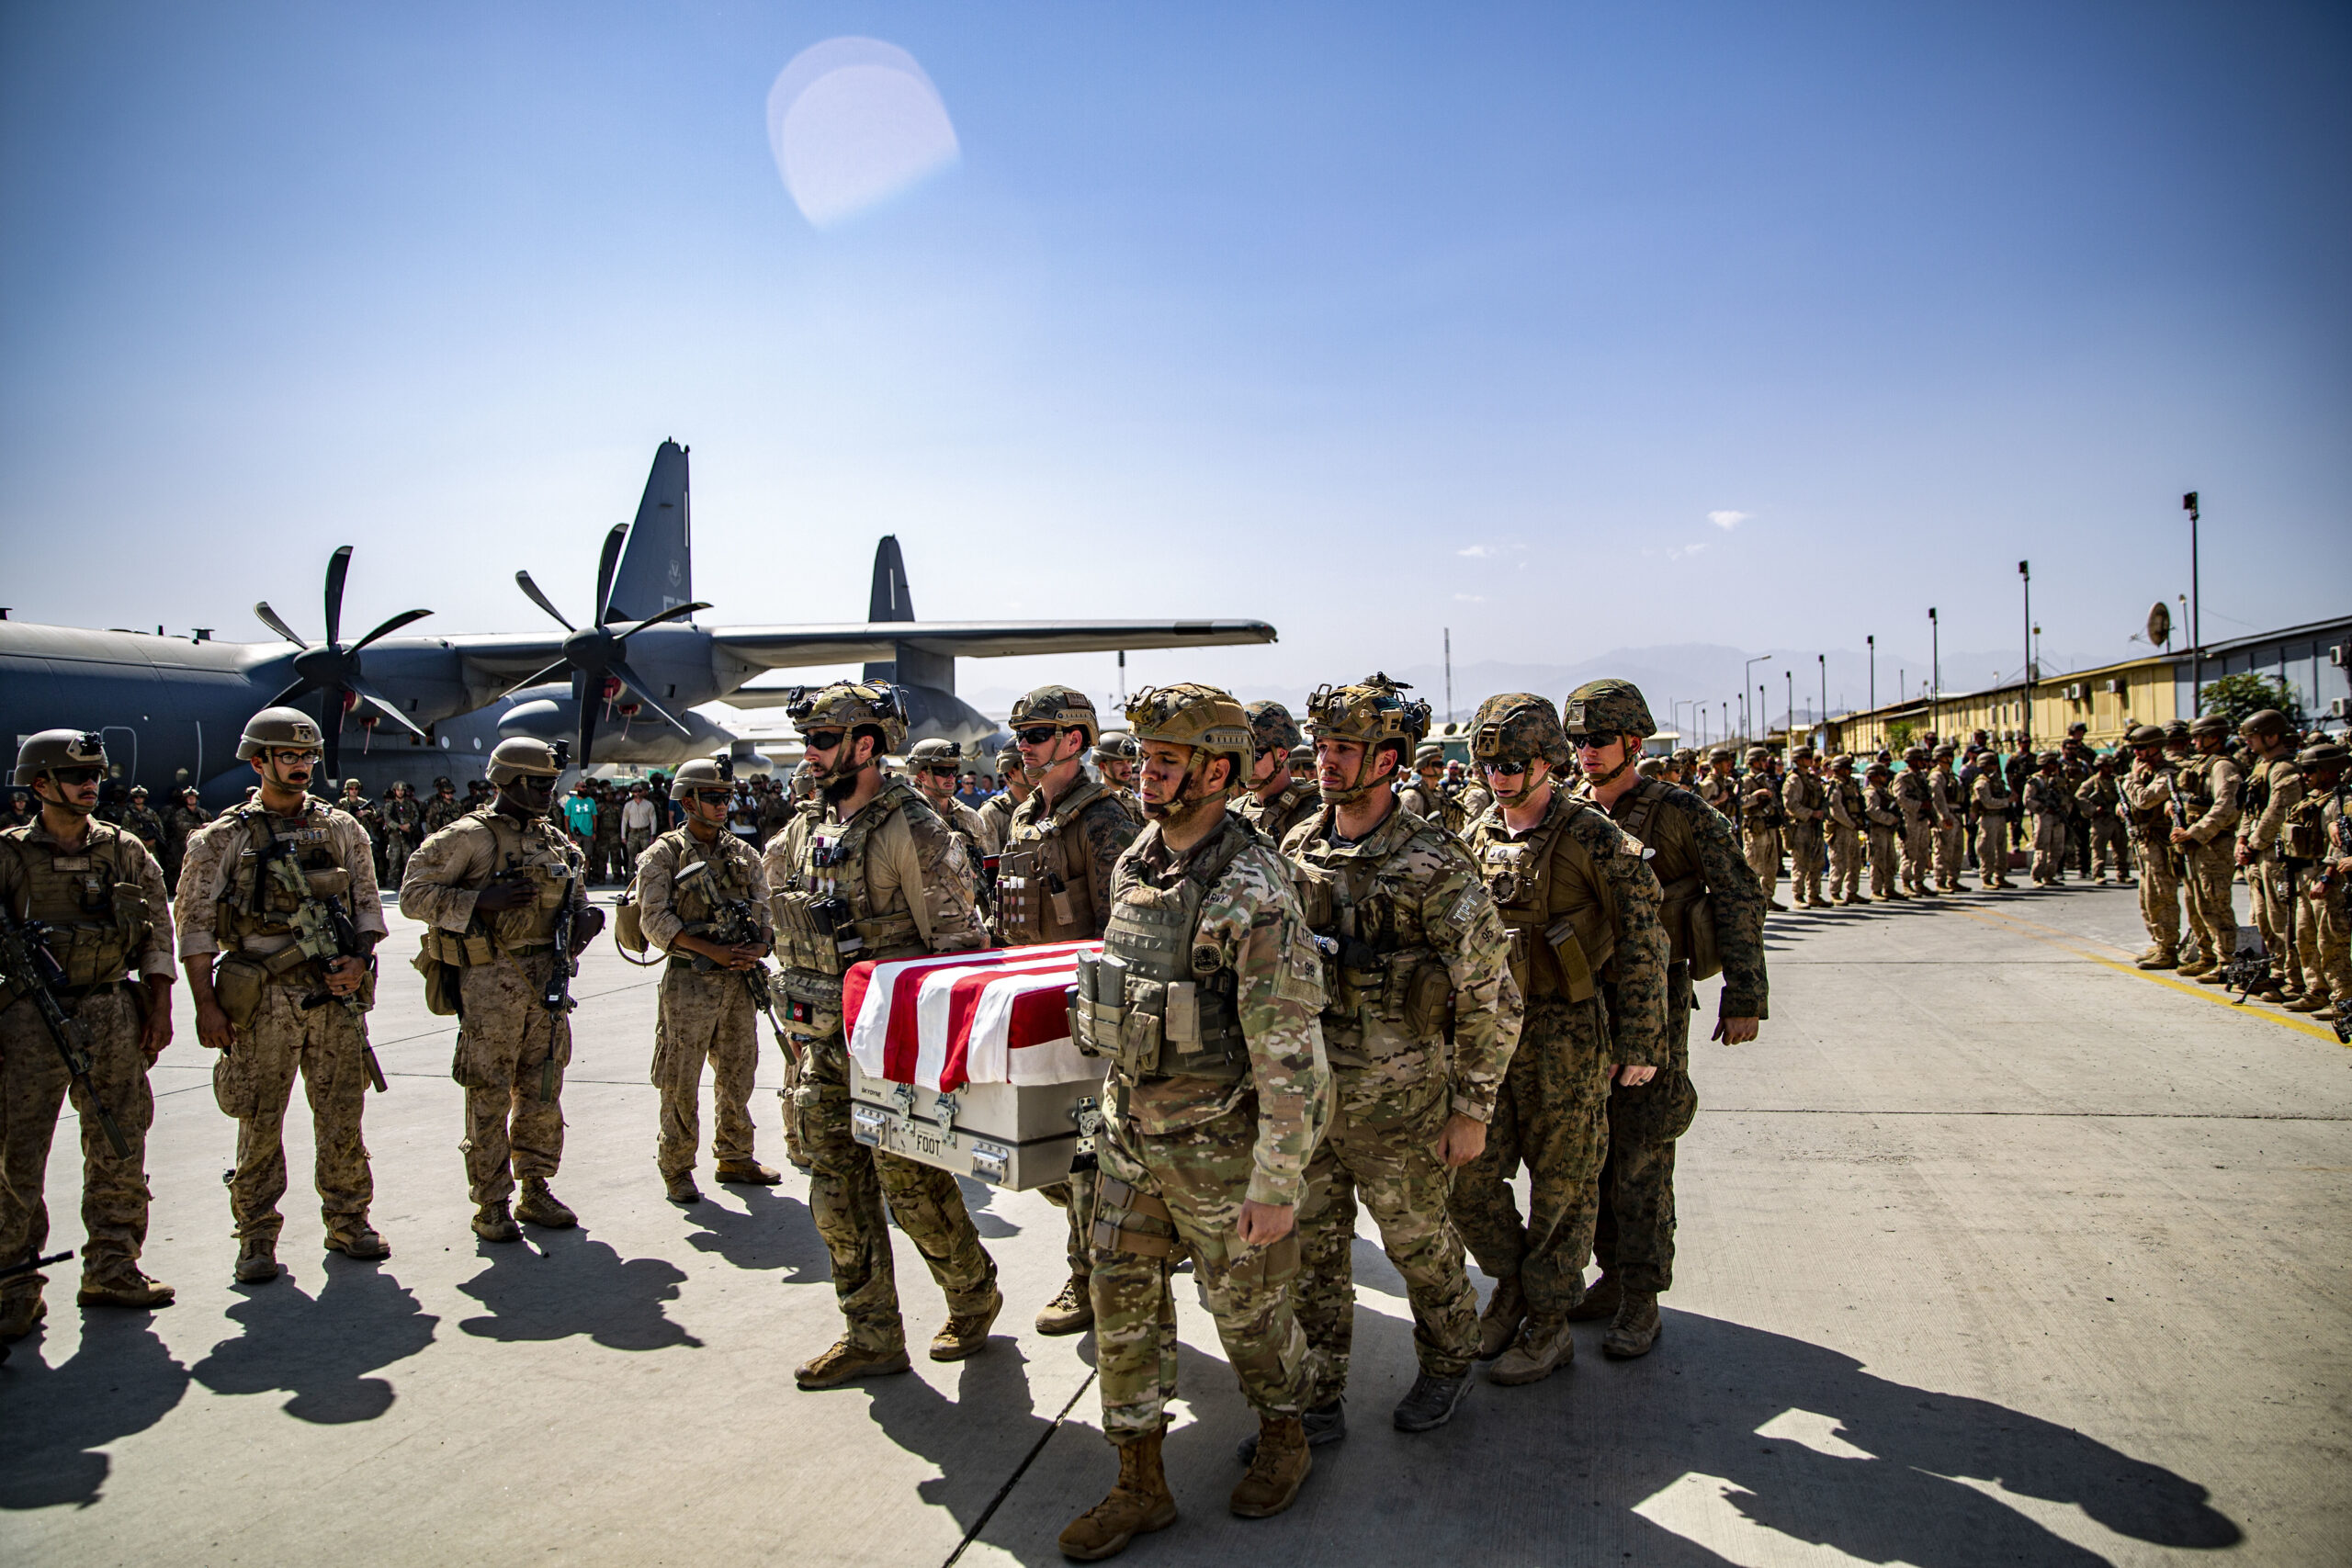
pixel 2186 987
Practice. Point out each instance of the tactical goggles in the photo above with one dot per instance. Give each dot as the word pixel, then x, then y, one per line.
pixel 1038 735
pixel 76 775
pixel 711 796
pixel 823 740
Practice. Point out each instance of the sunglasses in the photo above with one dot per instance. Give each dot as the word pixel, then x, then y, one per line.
pixel 1505 769
pixel 1041 734
pixel 822 739
pixel 713 796
pixel 76 775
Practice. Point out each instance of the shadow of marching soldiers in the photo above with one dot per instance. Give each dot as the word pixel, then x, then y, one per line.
pixel 560 1284
pixel 55 1420
pixel 318 1349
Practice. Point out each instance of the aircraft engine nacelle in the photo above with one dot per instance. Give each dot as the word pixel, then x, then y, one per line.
pixel 936 715
pixel 645 742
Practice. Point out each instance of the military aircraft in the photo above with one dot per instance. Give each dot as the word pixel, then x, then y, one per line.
pixel 620 683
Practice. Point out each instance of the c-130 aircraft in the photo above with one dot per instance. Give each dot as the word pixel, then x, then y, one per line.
pixel 618 684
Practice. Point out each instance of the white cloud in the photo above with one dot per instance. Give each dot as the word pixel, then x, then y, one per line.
pixel 1476 552
pixel 1677 552
pixel 1726 521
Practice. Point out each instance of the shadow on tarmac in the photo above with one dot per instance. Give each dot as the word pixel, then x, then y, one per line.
pixel 558 1283
pixel 54 1420
pixel 770 1232
pixel 1722 1428
pixel 318 1350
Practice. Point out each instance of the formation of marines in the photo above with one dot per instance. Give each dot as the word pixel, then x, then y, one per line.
pixel 1332 971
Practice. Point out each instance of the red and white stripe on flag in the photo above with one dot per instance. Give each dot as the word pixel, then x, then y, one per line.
pixel 1000 1015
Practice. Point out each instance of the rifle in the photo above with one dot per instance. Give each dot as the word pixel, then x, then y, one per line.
pixel 2245 969
pixel 31 1261
pixel 28 963
pixel 323 931
pixel 737 925
pixel 557 996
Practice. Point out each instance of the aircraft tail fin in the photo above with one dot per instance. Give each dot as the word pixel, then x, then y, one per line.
pixel 656 567
pixel 892 600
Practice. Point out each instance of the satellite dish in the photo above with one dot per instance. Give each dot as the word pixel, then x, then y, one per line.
pixel 2159 625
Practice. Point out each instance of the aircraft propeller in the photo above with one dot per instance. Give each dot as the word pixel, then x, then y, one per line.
pixel 333 669
pixel 598 654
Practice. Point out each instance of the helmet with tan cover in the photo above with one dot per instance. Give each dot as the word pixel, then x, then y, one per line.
pixel 53 749
pixel 1064 707
pixel 523 757
pixel 278 730
pixel 1190 714
pixel 848 706
pixel 699 773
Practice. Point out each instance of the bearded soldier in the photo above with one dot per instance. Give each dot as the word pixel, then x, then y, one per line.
pixel 491 888
pixel 702 899
pixel 1915 799
pixel 1590 956
pixel 1053 885
pixel 1412 942
pixel 2205 789
pixel 1714 915
pixel 2273 785
pixel 98 896
pixel 1205 999
pixel 873 874
pixel 996 811
pixel 1804 801
pixel 1761 814
pixel 1274 801
pixel 2102 803
pixel 1882 820
pixel 934 766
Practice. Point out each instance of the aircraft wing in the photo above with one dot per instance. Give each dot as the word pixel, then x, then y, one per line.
pixel 777 648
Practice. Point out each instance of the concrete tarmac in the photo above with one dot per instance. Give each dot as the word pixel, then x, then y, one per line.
pixel 1997 1251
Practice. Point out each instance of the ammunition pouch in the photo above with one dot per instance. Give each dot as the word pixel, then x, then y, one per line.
pixel 629 922
pixel 1130 1220
pixel 238 983
pixel 1687 912
pixel 1157 1028
pixel 442 984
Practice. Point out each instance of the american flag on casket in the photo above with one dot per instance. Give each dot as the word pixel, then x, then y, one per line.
pixel 1000 1015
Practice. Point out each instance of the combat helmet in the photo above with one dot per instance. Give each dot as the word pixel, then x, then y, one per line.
pixel 848 706
pixel 1429 756
pixel 2263 721
pixel 2211 724
pixel 1064 707
pixel 1272 728
pixel 698 772
pixel 278 730
pixel 1878 770
pixel 55 749
pixel 1605 708
pixel 935 756
pixel 1719 754
pixel 1372 712
pixel 1760 753
pixel 1202 717
pixel 2049 760
pixel 2321 754
pixel 523 757
pixel 1116 746
pixel 1518 727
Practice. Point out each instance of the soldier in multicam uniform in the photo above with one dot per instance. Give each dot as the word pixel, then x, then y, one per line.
pixel 251 983
pixel 1590 955
pixel 873 874
pixel 2205 788
pixel 934 766
pixel 490 888
pixel 404 821
pixel 182 817
pixel 1882 820
pixel 1761 816
pixel 1844 831
pixel 142 823
pixel 1273 800
pixel 1206 1000
pixel 1952 818
pixel 1804 801
pixel 444 809
pixel 702 897
pixel 1053 885
pixel 1424 794
pixel 100 895
pixel 2102 802
pixel 1714 915
pixel 2048 800
pixel 354 803
pixel 996 811
pixel 2319 843
pixel 1114 761
pixel 2273 785
pixel 2146 794
pixel 1412 944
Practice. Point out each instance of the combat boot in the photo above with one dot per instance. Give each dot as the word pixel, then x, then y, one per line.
pixel 2310 1001
pixel 965 1334
pixel 2194 969
pixel 1499 1324
pixel 133 1290
pixel 1276 1471
pixel 844 1362
pixel 1543 1349
pixel 18 1316
pixel 494 1222
pixel 1072 1312
pixel 2156 958
pixel 681 1189
pixel 1636 1328
pixel 538 1206
pixel 1599 1301
pixel 747 1173
pixel 257 1261
pixel 1139 1502
pixel 1429 1403
pixel 359 1240
pixel 1324 1423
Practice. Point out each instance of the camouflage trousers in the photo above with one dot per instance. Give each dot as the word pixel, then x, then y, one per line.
pixel 848 1186
pixel 1552 1115
pixel 635 841
pixel 33 1086
pixel 1160 1197
pixel 1382 1143
pixel 1949 844
pixel 2109 848
pixel 605 860
pixel 705 1017
pixel 2048 846
pixel 254 1080
pixel 2266 886
pixel 1076 1198
pixel 513 1101
pixel 1884 859
pixel 2324 944
pixel 1763 851
pixel 2160 897
pixel 396 853
pixel 2206 871
pixel 1805 864
pixel 1918 856
pixel 1993 851
pixel 1845 862
pixel 1633 1238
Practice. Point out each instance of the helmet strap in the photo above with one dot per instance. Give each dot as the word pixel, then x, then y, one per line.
pixel 1625 761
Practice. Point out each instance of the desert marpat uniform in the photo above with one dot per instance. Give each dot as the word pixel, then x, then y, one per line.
pixel 228 905
pixel 1844 807
pixel 1915 799
pixel 1712 914
pixel 1054 884
pixel 506 1036
pixel 2207 790
pixel 1193 1127
pixel 1994 804
pixel 1951 824
pixel 2146 791
pixel 104 904
pixel 707 1015
pixel 2049 802
pixel 1418 940
pixel 1760 814
pixel 1294 803
pixel 1805 800
pixel 1882 820
pixel 2273 785
pixel 2102 799
pixel 1589 953
pixel 908 890
pixel 2318 833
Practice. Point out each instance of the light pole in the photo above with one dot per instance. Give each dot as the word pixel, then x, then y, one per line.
pixel 2195 616
pixel 1935 673
pixel 1878 728
pixel 2024 725
pixel 1823 661
pixel 1789 727
pixel 1748 673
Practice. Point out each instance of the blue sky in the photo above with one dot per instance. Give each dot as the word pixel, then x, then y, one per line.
pixel 1367 320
